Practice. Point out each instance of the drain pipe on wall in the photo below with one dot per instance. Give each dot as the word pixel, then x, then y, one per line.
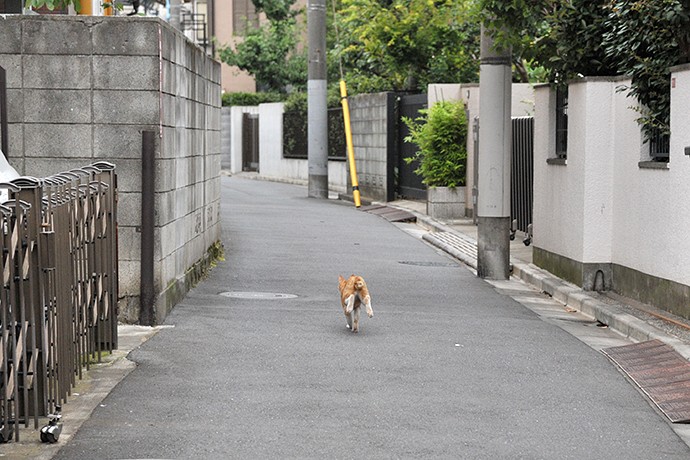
pixel 3 113
pixel 147 293
pixel 493 206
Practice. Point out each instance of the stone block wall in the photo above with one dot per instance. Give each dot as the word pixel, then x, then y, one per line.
pixel 373 135
pixel 82 89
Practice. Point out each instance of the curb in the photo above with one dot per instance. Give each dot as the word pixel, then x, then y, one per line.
pixel 566 293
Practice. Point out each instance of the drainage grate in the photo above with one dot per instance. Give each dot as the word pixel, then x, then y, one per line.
pixel 257 295
pixel 390 214
pixel 660 372
pixel 428 264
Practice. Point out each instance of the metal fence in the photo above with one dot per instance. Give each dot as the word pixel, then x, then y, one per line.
pixel 522 172
pixel 58 297
pixel 295 134
pixel 659 146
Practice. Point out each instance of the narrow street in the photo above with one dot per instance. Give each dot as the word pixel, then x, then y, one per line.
pixel 258 363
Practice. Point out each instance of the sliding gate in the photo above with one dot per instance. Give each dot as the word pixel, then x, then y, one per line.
pixel 521 173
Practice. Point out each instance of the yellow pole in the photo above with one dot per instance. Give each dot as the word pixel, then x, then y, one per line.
pixel 350 148
pixel 86 8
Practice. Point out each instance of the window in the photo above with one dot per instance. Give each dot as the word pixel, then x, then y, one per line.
pixel 561 121
pixel 244 16
pixel 659 146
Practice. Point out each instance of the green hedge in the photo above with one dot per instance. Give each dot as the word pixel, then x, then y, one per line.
pixel 230 99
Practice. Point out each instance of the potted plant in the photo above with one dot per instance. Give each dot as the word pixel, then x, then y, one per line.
pixel 441 135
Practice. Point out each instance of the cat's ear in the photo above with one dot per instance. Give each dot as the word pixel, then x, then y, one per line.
pixel 340 278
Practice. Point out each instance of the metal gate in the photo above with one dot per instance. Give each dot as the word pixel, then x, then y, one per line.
pixel 521 173
pixel 250 142
pixel 409 184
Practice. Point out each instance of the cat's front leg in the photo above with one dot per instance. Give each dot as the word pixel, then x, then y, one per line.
pixel 367 304
pixel 349 304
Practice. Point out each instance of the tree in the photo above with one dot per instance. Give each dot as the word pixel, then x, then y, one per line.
pixel 637 38
pixel 406 44
pixel 644 38
pixel 270 52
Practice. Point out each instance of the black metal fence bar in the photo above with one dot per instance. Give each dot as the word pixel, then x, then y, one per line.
pixel 59 288
pixel 659 146
pixel 4 142
pixel 522 172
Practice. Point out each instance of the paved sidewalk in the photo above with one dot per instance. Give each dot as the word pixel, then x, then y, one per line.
pixel 633 320
pixel 88 393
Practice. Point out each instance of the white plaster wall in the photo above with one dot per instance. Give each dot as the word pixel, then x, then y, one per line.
pixel 558 189
pixel 273 166
pixel 522 100
pixel 603 206
pixel 652 212
pixel 598 153
pixel 236 113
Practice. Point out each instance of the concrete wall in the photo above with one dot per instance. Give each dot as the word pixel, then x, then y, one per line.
pixel 607 209
pixel 372 132
pixel 82 89
pixel 225 139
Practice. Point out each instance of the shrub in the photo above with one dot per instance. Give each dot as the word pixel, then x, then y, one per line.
pixel 230 99
pixel 441 135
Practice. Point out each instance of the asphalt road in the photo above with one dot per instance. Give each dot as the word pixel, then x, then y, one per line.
pixel 447 368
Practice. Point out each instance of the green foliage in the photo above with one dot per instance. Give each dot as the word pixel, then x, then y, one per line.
pixel 52 4
pixel 406 44
pixel 645 38
pixel 270 52
pixel 637 38
pixel 574 40
pixel 275 10
pixel 296 102
pixel 117 5
pixel 441 135
pixel 230 99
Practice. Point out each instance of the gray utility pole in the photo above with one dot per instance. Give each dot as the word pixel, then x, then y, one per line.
pixel 493 209
pixel 317 118
pixel 175 13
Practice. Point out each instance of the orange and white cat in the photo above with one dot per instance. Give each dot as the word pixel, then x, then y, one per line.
pixel 354 293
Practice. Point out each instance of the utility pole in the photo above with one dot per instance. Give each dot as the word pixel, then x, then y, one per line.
pixel 317 119
pixel 493 210
pixel 175 11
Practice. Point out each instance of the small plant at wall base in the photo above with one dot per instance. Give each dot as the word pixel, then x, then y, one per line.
pixel 441 135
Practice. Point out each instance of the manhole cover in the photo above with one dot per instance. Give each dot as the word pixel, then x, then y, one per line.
pixel 428 264
pixel 257 295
